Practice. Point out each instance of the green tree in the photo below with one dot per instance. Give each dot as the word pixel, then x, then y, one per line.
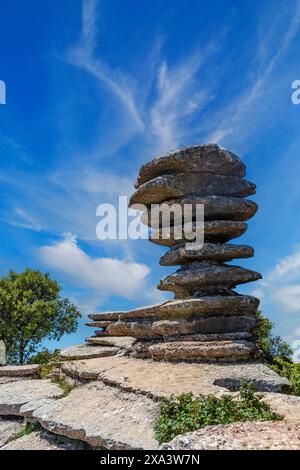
pixel 271 346
pixel 31 310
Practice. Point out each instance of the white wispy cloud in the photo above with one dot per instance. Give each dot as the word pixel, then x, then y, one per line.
pixel 106 276
pixel 83 56
pixel 177 94
pixel 248 110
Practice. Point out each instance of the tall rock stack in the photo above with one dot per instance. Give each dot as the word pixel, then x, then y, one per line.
pixel 207 320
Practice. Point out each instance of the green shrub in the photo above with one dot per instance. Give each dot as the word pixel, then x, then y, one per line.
pixel 184 413
pixel 45 357
pixel 277 353
pixel 288 369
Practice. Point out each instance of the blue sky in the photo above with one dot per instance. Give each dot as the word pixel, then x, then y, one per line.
pixel 96 88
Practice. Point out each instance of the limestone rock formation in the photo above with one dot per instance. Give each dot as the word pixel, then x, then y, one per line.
pixel 207 320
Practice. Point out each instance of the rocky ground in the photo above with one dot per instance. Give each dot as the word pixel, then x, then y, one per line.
pixel 113 402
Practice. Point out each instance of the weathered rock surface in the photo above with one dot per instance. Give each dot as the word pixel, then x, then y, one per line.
pixel 167 187
pixel 207 277
pixel 83 351
pixel 38 440
pixel 102 416
pixel 8 428
pixel 138 329
pixel 210 251
pixel 99 324
pixel 123 342
pixel 162 379
pixel 2 353
pixel 217 231
pixel 205 325
pixel 286 405
pixel 149 311
pixel 176 327
pixel 19 371
pixel 16 394
pixel 200 158
pixel 251 435
pixel 197 351
pixel 215 208
pixel 207 305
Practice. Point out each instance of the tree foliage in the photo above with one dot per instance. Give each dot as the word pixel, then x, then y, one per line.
pixel 31 310
pixel 278 353
pixel 271 346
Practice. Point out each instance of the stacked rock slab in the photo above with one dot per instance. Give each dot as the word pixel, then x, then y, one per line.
pixel 207 320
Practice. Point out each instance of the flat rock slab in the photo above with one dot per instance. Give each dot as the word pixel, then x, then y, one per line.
pixel 15 395
pixel 91 369
pixel 8 428
pixel 208 158
pixel 123 342
pixel 208 305
pixel 207 276
pixel 251 435
pixel 37 441
pixel 167 187
pixel 203 351
pixel 103 416
pixel 215 208
pixel 84 351
pixel 205 324
pixel 19 371
pixel 211 251
pixel 214 231
pixel 141 312
pixel 162 379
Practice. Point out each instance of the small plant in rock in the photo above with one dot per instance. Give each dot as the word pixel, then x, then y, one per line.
pixel 28 429
pixel 184 413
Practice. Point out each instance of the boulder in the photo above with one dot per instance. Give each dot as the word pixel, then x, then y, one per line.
pixel 167 187
pixel 200 158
